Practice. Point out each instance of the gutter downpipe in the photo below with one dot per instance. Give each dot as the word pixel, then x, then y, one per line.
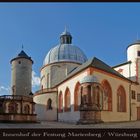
pixel 57 104
pixel 130 92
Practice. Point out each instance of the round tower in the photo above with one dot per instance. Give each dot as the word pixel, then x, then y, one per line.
pixel 133 55
pixel 21 74
pixel 133 51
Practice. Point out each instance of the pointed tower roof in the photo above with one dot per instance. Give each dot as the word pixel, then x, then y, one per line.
pixel 22 54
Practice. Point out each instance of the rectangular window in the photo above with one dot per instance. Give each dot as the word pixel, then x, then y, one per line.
pixel 138 53
pixel 48 80
pixel 138 97
pixel 133 94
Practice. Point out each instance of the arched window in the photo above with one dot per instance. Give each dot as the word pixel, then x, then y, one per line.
pixel 121 99
pixel 48 80
pixel 27 109
pixel 49 104
pixel 77 97
pixel 89 94
pixel 12 107
pixel 107 96
pixel 60 107
pixel 67 100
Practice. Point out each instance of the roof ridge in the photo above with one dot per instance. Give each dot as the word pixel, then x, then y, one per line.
pixel 105 68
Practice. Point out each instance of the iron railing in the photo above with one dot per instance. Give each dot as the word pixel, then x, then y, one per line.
pixel 16 97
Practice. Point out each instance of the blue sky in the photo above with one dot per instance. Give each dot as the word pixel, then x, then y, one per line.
pixel 103 30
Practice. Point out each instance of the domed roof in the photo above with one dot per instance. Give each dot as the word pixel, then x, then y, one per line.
pixel 65 51
pixel 89 79
pixel 137 42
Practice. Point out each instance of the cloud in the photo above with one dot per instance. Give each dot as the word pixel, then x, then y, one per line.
pixel 4 90
pixel 35 84
pixel 35 80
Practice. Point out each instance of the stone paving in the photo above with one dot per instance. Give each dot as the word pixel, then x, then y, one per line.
pixel 45 124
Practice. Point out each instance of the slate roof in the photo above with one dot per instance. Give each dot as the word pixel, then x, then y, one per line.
pixel 95 63
pixel 65 52
pixel 22 54
pixel 125 63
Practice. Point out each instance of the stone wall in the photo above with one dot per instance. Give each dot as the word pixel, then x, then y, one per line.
pixel 21 76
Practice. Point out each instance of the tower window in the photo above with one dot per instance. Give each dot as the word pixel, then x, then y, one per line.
pixel 138 53
pixel 133 94
pixel 48 80
pixel 19 62
pixel 138 97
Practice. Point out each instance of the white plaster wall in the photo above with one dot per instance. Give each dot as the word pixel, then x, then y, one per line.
pixel 41 106
pixel 132 55
pixel 71 116
pixel 138 63
pixel 125 71
pixel 129 70
pixel 132 52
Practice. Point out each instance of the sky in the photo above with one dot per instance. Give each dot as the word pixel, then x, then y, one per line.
pixel 102 30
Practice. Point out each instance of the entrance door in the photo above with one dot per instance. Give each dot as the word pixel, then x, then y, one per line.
pixel 138 113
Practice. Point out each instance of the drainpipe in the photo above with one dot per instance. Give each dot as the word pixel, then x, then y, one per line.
pixel 137 69
pixel 130 101
pixel 130 92
pixel 57 103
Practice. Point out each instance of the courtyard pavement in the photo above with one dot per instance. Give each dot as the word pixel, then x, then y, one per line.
pixel 46 124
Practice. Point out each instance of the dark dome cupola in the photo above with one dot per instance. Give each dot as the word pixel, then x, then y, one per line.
pixel 65 37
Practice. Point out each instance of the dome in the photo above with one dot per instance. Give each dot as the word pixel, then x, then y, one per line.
pixel 137 42
pixel 89 79
pixel 65 51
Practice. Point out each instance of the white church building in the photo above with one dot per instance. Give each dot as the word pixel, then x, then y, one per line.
pixel 81 90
